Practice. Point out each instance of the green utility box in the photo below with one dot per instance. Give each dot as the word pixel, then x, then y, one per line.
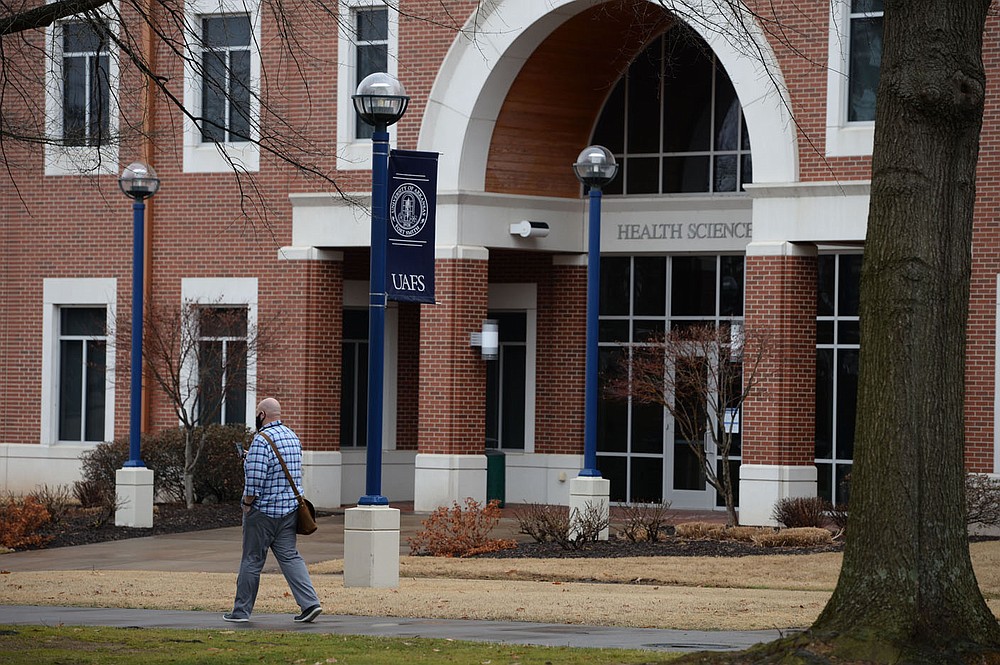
pixel 496 477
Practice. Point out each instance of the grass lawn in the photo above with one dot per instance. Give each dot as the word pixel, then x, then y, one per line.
pixel 42 645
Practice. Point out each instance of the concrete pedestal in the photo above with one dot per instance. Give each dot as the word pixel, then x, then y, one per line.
pixel 763 485
pixel 440 480
pixel 134 488
pixel 371 547
pixel 587 491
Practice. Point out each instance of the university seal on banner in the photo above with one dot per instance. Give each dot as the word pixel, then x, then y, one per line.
pixel 408 210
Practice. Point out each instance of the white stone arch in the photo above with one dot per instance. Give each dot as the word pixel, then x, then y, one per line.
pixel 483 62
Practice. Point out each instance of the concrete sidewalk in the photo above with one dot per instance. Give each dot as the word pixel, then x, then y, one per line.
pixel 218 551
pixel 504 632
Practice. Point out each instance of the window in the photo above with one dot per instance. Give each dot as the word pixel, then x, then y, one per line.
pixel 81 106
pixel 83 346
pixel 218 374
pixel 371 53
pixel 222 74
pixel 86 83
pixel 865 59
pixel 505 383
pixel 367 44
pixel 222 365
pixel 225 86
pixel 838 344
pixel 639 448
pixel 354 379
pixel 675 124
pixel 855 60
pixel 78 360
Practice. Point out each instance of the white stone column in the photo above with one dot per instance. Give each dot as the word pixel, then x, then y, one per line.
pixel 371 547
pixel 440 480
pixel 763 485
pixel 134 489
pixel 586 492
pixel 321 477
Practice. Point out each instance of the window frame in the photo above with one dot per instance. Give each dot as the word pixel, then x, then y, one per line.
pixel 354 153
pixel 63 159
pixel 208 292
pixel 843 138
pixel 227 342
pixel 202 156
pixel 78 292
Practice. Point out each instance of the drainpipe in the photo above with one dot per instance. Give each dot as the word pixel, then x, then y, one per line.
pixel 148 99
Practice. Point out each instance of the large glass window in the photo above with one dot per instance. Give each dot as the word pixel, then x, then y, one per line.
pixel 354 379
pixel 222 365
pixel 865 59
pixel 674 122
pixel 86 83
pixel 82 369
pixel 225 85
pixel 640 451
pixel 838 343
pixel 505 382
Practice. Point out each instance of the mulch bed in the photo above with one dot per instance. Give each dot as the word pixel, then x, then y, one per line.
pixel 670 546
pixel 81 527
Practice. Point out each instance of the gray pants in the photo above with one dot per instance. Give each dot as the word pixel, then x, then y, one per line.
pixel 260 533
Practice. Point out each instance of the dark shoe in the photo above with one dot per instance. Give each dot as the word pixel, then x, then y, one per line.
pixel 308 614
pixel 231 618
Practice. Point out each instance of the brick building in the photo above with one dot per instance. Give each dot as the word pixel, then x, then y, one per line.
pixel 742 198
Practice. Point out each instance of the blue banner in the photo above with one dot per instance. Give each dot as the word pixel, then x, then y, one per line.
pixel 409 256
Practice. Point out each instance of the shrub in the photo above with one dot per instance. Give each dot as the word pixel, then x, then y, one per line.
pixel 56 500
pixel 743 534
pixel 798 537
pixel 20 521
pixel 459 531
pixel 803 511
pixel 839 516
pixel 699 530
pixel 644 521
pixel 219 473
pixel 982 496
pixel 555 524
pixel 543 523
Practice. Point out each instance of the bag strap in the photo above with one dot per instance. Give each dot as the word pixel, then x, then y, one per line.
pixel 282 461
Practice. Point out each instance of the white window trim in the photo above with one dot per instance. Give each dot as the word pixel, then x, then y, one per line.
pixel 221 292
pixel 843 138
pixel 353 153
pixel 200 157
pixel 74 160
pixel 57 292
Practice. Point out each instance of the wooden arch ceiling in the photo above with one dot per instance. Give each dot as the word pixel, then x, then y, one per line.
pixel 553 104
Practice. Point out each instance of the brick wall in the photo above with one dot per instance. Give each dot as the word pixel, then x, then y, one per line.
pixel 452 399
pixel 779 418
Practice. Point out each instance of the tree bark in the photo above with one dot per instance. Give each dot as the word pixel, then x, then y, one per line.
pixel 907 586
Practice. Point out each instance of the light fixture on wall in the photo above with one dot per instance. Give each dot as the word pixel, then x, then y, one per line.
pixel 528 229
pixel 488 339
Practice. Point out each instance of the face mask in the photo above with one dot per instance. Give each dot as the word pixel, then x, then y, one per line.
pixel 260 420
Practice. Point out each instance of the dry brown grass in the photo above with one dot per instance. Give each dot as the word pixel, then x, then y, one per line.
pixel 779 591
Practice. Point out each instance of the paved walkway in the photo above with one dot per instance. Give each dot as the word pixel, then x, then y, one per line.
pixel 217 550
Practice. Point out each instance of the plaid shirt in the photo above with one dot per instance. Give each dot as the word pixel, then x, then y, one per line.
pixel 265 478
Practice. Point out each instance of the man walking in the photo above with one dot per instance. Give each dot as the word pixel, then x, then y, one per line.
pixel 269 516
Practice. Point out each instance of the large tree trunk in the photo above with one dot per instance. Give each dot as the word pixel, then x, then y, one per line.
pixel 907 592
pixel 907 579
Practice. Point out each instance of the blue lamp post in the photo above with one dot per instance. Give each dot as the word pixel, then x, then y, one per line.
pixel 138 182
pixel 595 168
pixel 380 101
